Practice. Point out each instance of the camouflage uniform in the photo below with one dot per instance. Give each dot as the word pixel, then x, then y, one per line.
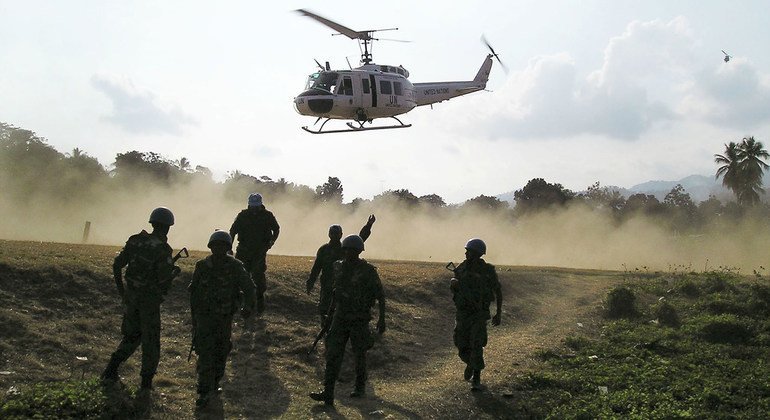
pixel 356 287
pixel 215 296
pixel 148 278
pixel 324 264
pixel 477 287
pixel 257 230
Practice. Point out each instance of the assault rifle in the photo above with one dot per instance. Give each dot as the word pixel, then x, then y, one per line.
pixel 181 254
pixel 327 324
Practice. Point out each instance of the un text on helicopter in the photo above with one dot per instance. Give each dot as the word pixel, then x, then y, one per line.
pixel 373 91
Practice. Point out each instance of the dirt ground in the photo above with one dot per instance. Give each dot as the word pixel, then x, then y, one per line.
pixel 58 305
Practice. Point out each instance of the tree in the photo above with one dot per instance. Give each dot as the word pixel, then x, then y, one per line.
pixel 538 195
pixel 432 200
pixel 485 202
pixel 330 191
pixel 681 207
pixel 599 197
pixel 402 196
pixel 742 169
pixel 752 155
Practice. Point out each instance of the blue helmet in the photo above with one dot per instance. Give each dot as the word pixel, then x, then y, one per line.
pixel 353 242
pixel 220 236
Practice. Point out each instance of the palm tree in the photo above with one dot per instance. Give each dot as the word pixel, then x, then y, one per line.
pixel 742 169
pixel 729 171
pixel 752 155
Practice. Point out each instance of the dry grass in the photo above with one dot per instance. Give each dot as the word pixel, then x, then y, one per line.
pixel 57 302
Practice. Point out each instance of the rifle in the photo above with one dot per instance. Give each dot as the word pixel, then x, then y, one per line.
pixel 181 254
pixel 324 328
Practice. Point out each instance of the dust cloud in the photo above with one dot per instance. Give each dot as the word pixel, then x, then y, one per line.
pixel 575 237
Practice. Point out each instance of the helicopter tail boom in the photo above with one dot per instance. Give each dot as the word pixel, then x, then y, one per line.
pixel 434 92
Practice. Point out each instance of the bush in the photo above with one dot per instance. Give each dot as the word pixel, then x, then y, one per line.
pixel 725 328
pixel 620 303
pixel 667 315
pixel 689 288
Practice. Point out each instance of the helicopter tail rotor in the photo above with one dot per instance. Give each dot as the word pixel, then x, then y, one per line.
pixel 494 54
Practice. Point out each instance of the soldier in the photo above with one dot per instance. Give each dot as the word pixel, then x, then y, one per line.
pixel 148 278
pixel 218 282
pixel 324 264
pixel 356 287
pixel 257 231
pixel 473 289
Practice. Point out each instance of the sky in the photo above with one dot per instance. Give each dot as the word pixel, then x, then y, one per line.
pixel 619 92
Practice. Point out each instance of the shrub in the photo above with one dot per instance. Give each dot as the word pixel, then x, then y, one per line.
pixel 725 328
pixel 689 288
pixel 576 342
pixel 667 315
pixel 620 303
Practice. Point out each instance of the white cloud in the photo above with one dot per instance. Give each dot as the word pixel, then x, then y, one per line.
pixel 643 71
pixel 137 110
pixel 735 94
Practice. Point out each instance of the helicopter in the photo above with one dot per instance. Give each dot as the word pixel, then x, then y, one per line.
pixel 374 91
pixel 727 56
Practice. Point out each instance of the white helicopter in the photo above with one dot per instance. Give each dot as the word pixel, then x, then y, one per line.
pixel 374 91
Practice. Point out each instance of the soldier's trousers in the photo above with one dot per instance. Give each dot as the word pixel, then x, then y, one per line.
pixel 141 325
pixel 360 339
pixel 212 345
pixel 256 265
pixel 470 337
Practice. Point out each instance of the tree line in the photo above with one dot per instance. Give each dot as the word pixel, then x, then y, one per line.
pixel 30 169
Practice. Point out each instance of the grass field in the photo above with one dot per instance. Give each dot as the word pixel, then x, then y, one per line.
pixel 60 320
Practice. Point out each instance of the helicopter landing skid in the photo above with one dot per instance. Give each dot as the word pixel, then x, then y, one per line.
pixel 354 128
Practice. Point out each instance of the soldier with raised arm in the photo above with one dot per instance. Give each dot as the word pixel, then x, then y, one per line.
pixel 149 272
pixel 327 254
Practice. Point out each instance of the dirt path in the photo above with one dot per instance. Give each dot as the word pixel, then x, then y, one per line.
pixel 541 308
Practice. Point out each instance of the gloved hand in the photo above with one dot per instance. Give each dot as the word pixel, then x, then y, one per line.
pixel 371 220
pixel 496 319
pixel 454 284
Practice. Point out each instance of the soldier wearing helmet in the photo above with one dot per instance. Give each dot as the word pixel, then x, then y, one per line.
pixel 356 287
pixel 324 264
pixel 256 230
pixel 218 283
pixel 149 272
pixel 474 287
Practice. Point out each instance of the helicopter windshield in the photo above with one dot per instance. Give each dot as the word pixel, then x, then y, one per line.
pixel 324 80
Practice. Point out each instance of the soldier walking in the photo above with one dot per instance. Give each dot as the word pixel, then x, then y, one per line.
pixel 474 287
pixel 327 254
pixel 218 283
pixel 148 278
pixel 256 230
pixel 356 287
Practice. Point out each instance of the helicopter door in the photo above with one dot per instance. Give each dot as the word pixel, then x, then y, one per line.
pixel 374 90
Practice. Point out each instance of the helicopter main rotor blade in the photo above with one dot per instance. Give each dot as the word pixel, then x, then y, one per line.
pixel 494 54
pixel 344 30
pixel 392 40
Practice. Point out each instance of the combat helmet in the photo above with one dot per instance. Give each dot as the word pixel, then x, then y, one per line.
pixel 162 215
pixel 220 236
pixel 477 245
pixel 353 242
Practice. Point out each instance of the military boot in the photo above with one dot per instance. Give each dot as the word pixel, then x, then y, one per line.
pixel 468 374
pixel 110 373
pixel 476 381
pixel 146 382
pixel 324 396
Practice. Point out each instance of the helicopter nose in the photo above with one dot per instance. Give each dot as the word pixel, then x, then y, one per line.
pixel 301 106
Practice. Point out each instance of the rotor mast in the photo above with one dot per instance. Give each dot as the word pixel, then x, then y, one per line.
pixel 363 37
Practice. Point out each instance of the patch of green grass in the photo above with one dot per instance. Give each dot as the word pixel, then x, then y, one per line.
pixel 715 365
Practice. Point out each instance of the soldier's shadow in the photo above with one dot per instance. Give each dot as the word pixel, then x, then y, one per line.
pixel 374 406
pixel 251 385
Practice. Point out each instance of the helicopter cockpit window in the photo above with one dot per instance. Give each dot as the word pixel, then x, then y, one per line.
pixel 385 87
pixel 311 80
pixel 325 81
pixel 400 71
pixel 397 88
pixel 346 88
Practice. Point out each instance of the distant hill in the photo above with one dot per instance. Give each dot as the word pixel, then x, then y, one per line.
pixel 700 187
